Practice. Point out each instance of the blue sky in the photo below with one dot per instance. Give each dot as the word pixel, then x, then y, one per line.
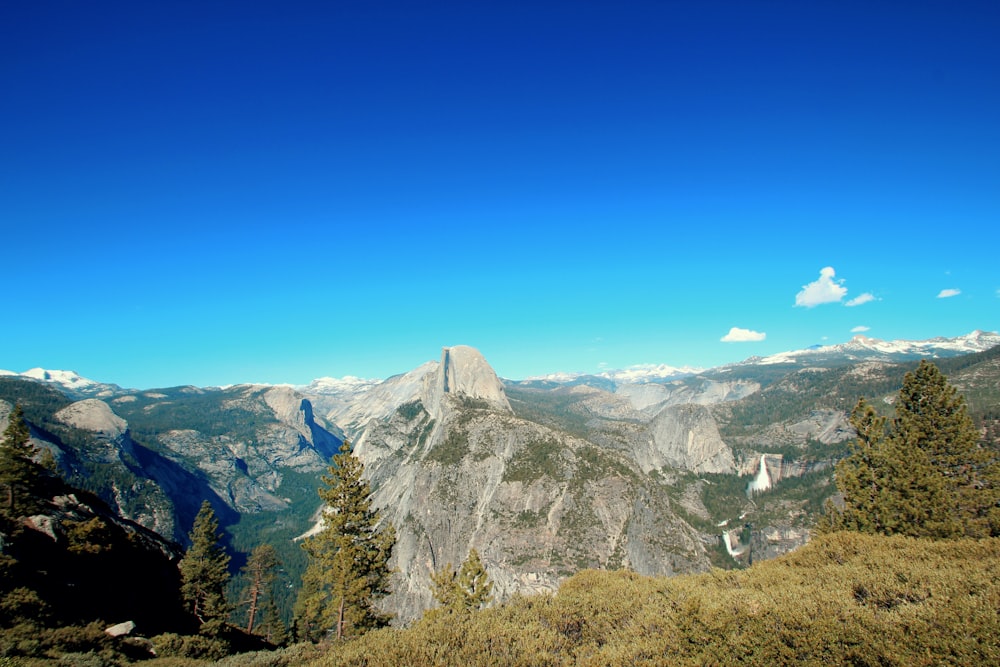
pixel 211 193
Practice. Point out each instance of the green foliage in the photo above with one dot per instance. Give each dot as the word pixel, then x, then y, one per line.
pixel 279 529
pixel 452 450
pixel 260 574
pixel 199 647
pixel 555 408
pixel 205 573
pixel 17 470
pixel 925 475
pixel 842 599
pixel 348 569
pixel 469 589
pixel 292 656
pixel 69 646
pixel 723 495
pixel 212 412
pixel 410 411
pixel 537 459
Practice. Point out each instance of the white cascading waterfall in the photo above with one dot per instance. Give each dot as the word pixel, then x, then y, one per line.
pixel 761 481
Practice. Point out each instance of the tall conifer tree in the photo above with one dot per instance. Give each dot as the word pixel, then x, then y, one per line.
pixel 205 573
pixel 260 572
pixel 17 470
pixel 925 475
pixel 348 569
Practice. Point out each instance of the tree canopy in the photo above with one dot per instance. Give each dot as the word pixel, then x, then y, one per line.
pixel 17 470
pixel 260 571
pixel 925 474
pixel 469 589
pixel 205 573
pixel 348 570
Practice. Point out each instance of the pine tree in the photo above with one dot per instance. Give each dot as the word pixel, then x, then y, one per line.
pixel 932 416
pixel 348 570
pixel 205 573
pixel 17 470
pixel 924 475
pixel 444 588
pixel 469 589
pixel 271 627
pixel 259 571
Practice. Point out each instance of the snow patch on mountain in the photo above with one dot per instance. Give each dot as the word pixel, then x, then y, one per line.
pixel 864 348
pixel 639 373
pixel 330 386
pixel 70 381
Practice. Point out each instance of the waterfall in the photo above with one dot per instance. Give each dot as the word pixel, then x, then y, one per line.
pixel 727 540
pixel 762 481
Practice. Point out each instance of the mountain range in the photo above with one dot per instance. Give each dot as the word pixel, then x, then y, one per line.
pixel 656 469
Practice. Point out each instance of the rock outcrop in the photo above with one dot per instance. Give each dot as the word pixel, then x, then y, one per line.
pixel 453 468
pixel 650 398
pixel 685 437
pixel 245 469
pixel 463 371
pixel 95 416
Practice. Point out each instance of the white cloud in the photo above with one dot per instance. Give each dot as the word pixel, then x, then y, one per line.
pixel 737 335
pixel 860 329
pixel 824 290
pixel 948 293
pixel 860 299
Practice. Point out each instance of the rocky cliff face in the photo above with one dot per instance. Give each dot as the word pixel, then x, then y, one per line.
pixel 650 398
pixel 454 469
pixel 245 469
pixel 686 437
pixel 381 400
pixel 108 447
pixel 231 446
pixel 464 372
pixel 777 468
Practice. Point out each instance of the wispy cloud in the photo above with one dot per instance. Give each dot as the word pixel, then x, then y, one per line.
pixel 860 329
pixel 825 289
pixel 738 335
pixel 860 299
pixel 948 293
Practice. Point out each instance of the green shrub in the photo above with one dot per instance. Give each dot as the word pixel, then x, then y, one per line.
pixel 842 599
pixel 170 645
pixel 297 654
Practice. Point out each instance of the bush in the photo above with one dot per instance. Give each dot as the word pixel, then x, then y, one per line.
pixel 297 654
pixel 842 599
pixel 170 645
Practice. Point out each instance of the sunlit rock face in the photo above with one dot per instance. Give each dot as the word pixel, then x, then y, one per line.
pixel 453 468
pixel 685 437
pixel 464 372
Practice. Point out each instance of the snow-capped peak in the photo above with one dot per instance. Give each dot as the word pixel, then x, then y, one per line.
pixel 68 379
pixel 863 346
pixel 636 374
pixel 334 386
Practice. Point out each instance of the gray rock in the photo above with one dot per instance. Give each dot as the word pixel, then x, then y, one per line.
pixel 121 629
